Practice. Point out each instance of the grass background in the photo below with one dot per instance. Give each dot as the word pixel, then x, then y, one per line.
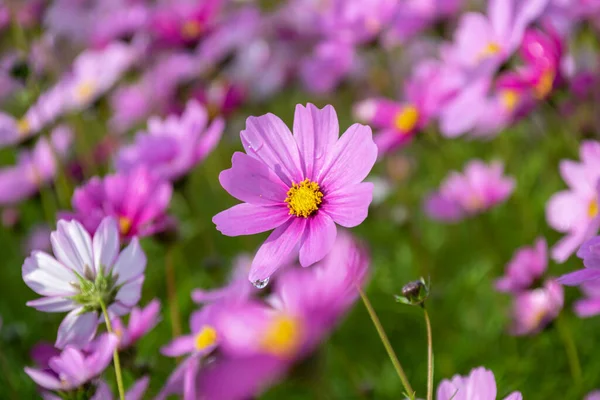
pixel 469 318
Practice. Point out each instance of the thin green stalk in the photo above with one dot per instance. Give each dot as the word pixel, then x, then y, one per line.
pixel 570 349
pixel 172 292
pixel 115 353
pixel 429 356
pixel 386 343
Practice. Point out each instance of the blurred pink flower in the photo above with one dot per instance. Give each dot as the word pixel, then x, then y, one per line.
pixel 590 253
pixel 535 308
pixel 183 21
pixel 82 271
pixel 527 265
pixel 73 368
pixel 172 147
pixel 327 65
pixel 141 321
pixel 595 395
pixel 480 384
pixel 138 201
pixel 38 238
pixel 301 185
pixel 588 306
pixel 461 195
pixel 575 211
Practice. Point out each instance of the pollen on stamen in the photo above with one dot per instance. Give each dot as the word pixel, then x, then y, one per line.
pixel 125 225
pixel 84 90
pixel 23 127
pixel 283 336
pixel 191 29
pixel 304 198
pixel 205 338
pixel 406 120
pixel 593 208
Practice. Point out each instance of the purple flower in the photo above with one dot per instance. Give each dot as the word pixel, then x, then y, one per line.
pixel 301 185
pixel 138 200
pixel 82 275
pixel 527 265
pixel 590 253
pixel 330 62
pixel 135 392
pixel 461 195
pixel 141 321
pixel 589 306
pixel 575 211
pixel 595 395
pixel 480 384
pixel 38 238
pixel 73 368
pixel 184 21
pixel 174 146
pixel 534 309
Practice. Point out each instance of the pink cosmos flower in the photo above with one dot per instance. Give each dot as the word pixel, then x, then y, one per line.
pixel 485 41
pixel 141 321
pixel 34 169
pixel 184 21
pixel 329 63
pixel 138 200
pixel 575 211
pixel 527 265
pixel 301 185
pixel 461 195
pixel 536 308
pixel 73 368
pixel 480 384
pixel 172 147
pixel 83 271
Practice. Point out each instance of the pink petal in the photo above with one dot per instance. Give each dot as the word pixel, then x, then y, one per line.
pixel 46 276
pixel 319 237
pixel 179 346
pixel 131 292
pixel 251 180
pixel 277 249
pixel 72 246
pixel 587 307
pixel 566 210
pixel 137 390
pixel 316 132
pixel 52 304
pixel 77 329
pixel 131 262
pixel 579 277
pixel 349 206
pixel 268 139
pixel 248 219
pixel 106 244
pixel 43 379
pixel 514 396
pixel 351 160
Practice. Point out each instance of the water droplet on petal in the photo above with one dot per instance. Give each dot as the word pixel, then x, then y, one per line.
pixel 261 284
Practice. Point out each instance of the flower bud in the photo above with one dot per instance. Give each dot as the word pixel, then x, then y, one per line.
pixel 414 293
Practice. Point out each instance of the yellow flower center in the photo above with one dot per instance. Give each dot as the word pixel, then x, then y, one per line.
pixel 85 90
pixel 191 29
pixel 205 338
pixel 406 119
pixel 593 208
pixel 125 225
pixel 282 337
pixel 544 86
pixel 509 99
pixel 304 198
pixel 23 127
pixel 491 49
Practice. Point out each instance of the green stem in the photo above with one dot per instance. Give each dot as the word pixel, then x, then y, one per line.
pixel 570 349
pixel 115 353
pixel 386 343
pixel 429 356
pixel 172 292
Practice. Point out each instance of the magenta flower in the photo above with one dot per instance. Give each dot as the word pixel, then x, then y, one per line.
pixel 398 122
pixel 575 211
pixel 480 384
pixel 183 21
pixel 84 273
pixel 461 195
pixel 73 368
pixel 137 200
pixel 527 265
pixel 141 321
pixel 174 146
pixel 329 63
pixel 536 308
pixel 301 185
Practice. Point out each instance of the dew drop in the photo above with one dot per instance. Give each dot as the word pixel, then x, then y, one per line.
pixel 261 284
